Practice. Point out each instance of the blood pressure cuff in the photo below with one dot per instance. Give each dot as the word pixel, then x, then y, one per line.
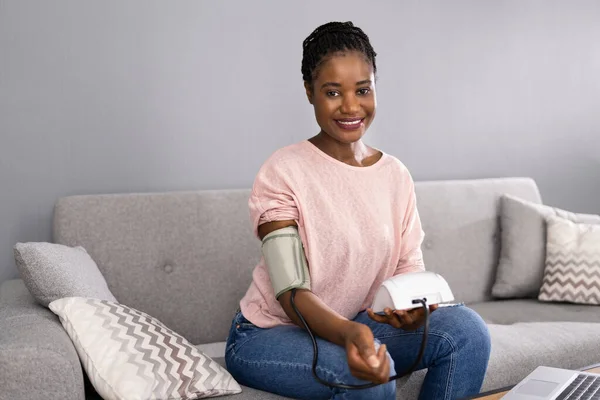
pixel 284 255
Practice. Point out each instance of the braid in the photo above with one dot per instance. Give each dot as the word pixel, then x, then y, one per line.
pixel 330 38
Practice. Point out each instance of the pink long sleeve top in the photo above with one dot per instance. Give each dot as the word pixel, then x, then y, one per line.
pixel 359 226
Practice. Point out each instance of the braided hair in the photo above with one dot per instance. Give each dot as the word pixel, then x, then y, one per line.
pixel 330 38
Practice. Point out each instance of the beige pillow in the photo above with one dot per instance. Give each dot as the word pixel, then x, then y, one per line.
pixel 128 354
pixel 572 272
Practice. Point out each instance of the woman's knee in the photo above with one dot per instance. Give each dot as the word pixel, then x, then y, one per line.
pixel 464 328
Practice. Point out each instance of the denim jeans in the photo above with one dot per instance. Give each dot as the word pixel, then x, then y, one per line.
pixel 279 359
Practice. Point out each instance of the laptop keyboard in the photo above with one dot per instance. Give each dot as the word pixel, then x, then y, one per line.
pixel 584 387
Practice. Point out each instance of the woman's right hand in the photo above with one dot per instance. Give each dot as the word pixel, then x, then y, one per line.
pixel 364 360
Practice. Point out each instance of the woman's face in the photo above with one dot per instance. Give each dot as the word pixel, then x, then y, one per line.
pixel 343 95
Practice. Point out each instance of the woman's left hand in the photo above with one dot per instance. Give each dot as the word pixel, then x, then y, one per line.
pixel 409 320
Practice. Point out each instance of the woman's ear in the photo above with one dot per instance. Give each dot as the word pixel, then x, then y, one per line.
pixel 309 92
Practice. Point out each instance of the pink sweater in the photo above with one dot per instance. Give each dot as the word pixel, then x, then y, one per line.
pixel 359 226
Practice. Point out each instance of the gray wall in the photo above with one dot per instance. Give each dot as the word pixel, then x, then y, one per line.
pixel 112 96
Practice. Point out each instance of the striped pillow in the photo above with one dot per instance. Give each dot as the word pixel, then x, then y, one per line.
pixel 128 354
pixel 572 271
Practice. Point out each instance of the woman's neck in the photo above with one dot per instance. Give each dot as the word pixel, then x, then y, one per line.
pixel 356 153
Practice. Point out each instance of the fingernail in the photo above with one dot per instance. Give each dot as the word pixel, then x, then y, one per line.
pixel 373 362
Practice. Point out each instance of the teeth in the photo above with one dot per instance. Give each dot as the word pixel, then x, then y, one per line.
pixel 350 123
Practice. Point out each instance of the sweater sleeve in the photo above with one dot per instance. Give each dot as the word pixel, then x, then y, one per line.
pixel 411 259
pixel 272 198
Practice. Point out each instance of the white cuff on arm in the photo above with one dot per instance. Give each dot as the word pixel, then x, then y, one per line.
pixel 284 255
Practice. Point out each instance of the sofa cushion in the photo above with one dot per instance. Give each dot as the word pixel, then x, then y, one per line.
pixel 569 345
pixel 53 271
pixel 572 271
pixel 181 257
pixel 523 245
pixel 129 354
pixel 532 310
pixel 213 350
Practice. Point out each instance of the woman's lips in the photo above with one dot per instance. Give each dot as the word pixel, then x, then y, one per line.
pixel 349 123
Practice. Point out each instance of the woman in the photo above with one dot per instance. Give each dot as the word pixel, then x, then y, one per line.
pixel 355 211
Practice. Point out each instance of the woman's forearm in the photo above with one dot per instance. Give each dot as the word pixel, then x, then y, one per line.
pixel 322 320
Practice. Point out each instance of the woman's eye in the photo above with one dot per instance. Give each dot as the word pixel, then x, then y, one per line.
pixel 364 91
pixel 332 93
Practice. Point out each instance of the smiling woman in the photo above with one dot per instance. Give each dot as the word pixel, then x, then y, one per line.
pixel 344 99
pixel 336 218
pixel 339 69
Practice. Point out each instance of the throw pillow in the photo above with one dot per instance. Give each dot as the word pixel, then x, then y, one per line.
pixel 523 245
pixel 128 354
pixel 52 271
pixel 572 271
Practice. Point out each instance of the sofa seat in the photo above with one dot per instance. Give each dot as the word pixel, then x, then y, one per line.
pixel 572 344
pixel 531 310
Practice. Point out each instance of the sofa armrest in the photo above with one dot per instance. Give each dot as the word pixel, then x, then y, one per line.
pixel 37 358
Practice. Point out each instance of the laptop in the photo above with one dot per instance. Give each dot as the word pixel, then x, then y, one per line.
pixel 546 383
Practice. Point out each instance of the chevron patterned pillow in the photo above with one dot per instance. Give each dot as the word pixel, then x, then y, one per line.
pixel 128 354
pixel 572 272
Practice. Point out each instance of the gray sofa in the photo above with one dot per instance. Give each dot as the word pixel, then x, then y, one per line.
pixel 186 258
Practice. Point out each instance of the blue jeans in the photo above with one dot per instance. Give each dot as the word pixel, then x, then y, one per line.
pixel 279 360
